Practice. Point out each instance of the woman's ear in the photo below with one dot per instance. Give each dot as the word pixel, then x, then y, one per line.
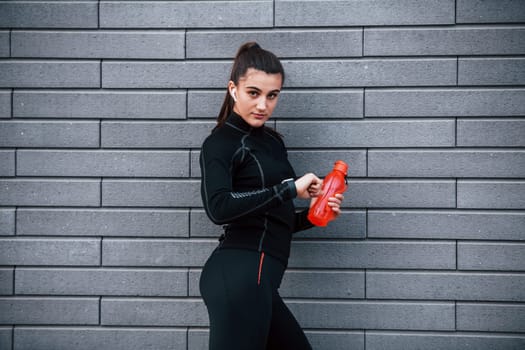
pixel 233 90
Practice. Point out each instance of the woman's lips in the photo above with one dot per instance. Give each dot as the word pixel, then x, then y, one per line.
pixel 259 116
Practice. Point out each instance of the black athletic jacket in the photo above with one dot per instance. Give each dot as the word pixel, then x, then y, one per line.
pixel 248 184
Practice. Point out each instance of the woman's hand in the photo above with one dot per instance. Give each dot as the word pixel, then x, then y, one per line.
pixel 308 186
pixel 334 202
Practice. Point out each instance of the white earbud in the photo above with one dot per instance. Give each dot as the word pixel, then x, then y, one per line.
pixel 233 95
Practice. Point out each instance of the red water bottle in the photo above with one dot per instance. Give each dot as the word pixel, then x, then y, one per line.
pixel 335 182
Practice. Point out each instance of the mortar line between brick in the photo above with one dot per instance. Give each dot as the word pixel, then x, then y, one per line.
pixel 455 132
pixel 457 244
pixel 457 70
pixel 16 214
pixel 12 102
pixel 186 49
pixel 13 337
pixel 99 311
pixel 187 338
pixel 98 15
pixel 455 315
pixel 362 41
pixel 273 14
pixel 13 291
pixel 455 11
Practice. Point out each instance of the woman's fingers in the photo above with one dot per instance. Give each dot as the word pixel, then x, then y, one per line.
pixel 335 202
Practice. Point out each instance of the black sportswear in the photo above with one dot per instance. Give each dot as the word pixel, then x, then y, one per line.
pixel 248 184
pixel 246 312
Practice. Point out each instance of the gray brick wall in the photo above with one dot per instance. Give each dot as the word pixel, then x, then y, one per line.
pixel 104 105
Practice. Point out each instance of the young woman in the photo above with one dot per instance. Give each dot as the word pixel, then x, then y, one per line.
pixel 248 186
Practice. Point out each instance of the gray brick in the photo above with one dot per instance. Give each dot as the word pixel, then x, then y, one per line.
pixel 374 254
pixel 151 193
pixel 198 339
pixel 446 163
pixel 7 221
pixel 5 103
pixel 98 44
pixel 4 43
pixel 371 72
pixel 162 134
pixel 159 74
pixel 300 104
pixel 103 163
pixel 491 133
pixel 7 162
pixel 491 256
pixel 185 14
pixel 49 74
pixel 290 13
pixel 490 11
pixel 491 194
pixel 400 194
pixel 106 338
pixel 336 340
pixel 33 192
pixel 434 341
pixel 460 40
pixel 153 312
pixel 202 226
pixel 309 284
pixel 446 224
pixel 284 43
pixel 99 104
pixel 322 162
pixel 445 286
pixel 345 103
pixel 6 281
pixel 369 133
pixel 323 284
pixel 102 222
pixel 50 251
pixel 195 169
pixel 6 339
pixel 205 103
pixel 28 133
pixel 491 71
pixel 491 317
pixel 49 14
pixel 444 102
pixel 121 282
pixel 156 252
pixel 46 310
pixel 374 315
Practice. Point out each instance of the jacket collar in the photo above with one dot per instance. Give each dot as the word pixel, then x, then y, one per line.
pixel 234 120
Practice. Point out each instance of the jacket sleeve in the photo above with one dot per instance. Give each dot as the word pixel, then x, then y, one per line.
pixel 301 221
pixel 221 203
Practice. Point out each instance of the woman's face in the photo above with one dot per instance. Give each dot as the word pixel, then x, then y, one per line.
pixel 256 93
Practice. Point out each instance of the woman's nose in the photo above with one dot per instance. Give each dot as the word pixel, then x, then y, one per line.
pixel 261 104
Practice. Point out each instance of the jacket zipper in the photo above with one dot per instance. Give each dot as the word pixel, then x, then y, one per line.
pixel 261 259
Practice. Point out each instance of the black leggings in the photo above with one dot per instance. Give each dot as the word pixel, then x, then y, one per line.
pixel 246 312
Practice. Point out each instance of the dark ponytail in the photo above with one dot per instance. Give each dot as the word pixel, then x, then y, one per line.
pixel 249 55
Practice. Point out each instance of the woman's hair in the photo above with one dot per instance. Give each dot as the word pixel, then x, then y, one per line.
pixel 249 55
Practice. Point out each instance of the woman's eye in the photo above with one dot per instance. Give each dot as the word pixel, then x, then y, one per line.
pixel 253 93
pixel 272 96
